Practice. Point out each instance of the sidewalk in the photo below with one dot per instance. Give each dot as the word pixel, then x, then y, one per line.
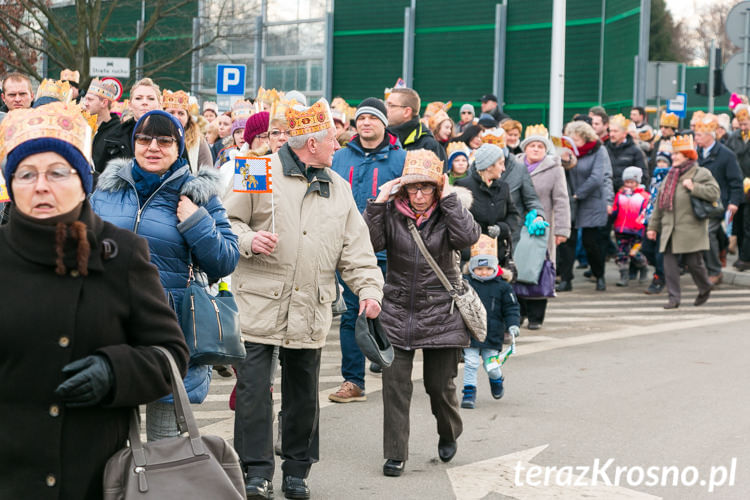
pixel 734 277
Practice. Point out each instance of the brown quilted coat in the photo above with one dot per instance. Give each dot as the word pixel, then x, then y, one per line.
pixel 417 309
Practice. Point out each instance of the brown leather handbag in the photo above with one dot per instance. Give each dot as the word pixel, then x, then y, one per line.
pixel 186 466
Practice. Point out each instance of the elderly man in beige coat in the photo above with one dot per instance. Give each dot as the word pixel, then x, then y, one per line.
pixel 285 285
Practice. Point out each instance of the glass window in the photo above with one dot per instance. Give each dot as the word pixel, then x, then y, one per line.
pixel 291 10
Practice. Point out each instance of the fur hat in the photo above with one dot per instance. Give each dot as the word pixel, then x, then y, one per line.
pixel 486 156
pixel 632 174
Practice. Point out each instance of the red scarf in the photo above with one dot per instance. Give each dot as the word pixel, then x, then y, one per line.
pixel 586 148
pixel 666 197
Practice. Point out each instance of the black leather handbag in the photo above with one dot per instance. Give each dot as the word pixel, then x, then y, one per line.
pixel 211 325
pixel 703 209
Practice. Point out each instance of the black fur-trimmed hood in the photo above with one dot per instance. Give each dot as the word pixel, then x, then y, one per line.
pixel 200 188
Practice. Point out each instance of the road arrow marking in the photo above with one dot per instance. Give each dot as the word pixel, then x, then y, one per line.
pixel 498 475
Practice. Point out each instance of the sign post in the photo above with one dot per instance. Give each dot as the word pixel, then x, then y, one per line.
pixel 109 66
pixel 230 84
pixel 678 105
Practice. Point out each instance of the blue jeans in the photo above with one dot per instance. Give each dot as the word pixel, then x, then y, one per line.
pixel 473 357
pixel 352 359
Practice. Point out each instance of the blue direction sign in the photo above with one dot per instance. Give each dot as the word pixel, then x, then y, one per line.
pixel 678 105
pixel 230 79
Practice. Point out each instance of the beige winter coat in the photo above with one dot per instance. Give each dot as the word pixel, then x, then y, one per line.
pixel 552 190
pixel 688 233
pixel 285 298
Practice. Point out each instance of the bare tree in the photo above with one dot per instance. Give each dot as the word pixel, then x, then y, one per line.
pixel 32 28
pixel 711 25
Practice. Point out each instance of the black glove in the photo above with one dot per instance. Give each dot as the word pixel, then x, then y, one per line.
pixel 493 231
pixel 88 382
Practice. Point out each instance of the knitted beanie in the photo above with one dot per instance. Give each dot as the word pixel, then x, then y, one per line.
pixel 486 121
pixel 486 156
pixel 632 174
pixel 484 261
pixel 664 155
pixel 373 106
pixel 256 124
pixel 468 107
pixel 180 130
pixel 238 124
pixel 49 144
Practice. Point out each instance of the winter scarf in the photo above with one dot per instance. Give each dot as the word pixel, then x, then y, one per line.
pixel 666 198
pixel 531 166
pixel 586 149
pixel 406 209
pixel 146 183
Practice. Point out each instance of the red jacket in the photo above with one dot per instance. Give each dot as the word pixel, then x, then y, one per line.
pixel 629 210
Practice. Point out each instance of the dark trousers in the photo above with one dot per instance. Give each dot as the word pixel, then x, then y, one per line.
pixel 253 424
pixel 533 309
pixel 352 359
pixel 711 256
pixel 694 263
pixel 741 229
pixel 593 243
pixel 440 370
pixel 650 249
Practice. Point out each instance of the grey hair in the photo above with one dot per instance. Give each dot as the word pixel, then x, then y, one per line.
pixel 582 130
pixel 299 141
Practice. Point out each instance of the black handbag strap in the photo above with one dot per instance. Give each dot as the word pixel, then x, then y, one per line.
pixel 185 419
pixel 428 257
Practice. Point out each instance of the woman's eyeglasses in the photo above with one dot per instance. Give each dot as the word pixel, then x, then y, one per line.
pixel 423 188
pixel 30 176
pixel 163 141
pixel 278 133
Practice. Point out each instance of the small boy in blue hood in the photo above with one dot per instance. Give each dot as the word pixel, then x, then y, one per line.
pixel 503 314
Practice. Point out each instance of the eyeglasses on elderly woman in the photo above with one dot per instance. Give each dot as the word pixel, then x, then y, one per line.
pixel 422 188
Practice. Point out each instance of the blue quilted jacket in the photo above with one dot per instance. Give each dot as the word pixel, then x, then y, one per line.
pixel 206 235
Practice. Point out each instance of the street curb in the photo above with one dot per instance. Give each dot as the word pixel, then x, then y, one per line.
pixel 735 278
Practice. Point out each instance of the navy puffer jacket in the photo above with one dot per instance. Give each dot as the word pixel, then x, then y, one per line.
pixel 206 235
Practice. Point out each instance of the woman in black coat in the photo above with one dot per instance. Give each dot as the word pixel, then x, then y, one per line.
pixel 418 312
pixel 82 306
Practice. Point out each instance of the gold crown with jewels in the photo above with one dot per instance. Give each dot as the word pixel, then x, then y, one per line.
pixel 55 89
pixel 178 100
pixel 309 120
pixel 494 136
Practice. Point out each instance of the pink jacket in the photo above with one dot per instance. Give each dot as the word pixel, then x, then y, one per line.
pixel 629 210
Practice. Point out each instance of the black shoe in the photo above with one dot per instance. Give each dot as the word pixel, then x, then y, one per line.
pixel 295 487
pixel 582 266
pixel 447 450
pixel 656 286
pixel 376 368
pixel 741 265
pixel 588 274
pixel 533 325
pixel 564 286
pixel 672 305
pixel 223 370
pixel 702 298
pixel 601 285
pixel 258 487
pixel 393 468
pixel 643 276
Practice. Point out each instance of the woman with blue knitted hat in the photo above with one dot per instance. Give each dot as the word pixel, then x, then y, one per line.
pixel 81 307
pixel 180 215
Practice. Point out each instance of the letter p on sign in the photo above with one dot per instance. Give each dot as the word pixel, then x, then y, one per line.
pixel 230 79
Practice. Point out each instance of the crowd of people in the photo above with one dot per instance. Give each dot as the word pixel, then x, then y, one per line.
pixel 112 205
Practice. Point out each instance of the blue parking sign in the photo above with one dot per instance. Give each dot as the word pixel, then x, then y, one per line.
pixel 230 79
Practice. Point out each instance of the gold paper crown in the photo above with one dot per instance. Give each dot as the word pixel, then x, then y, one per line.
pixel 669 120
pixel 90 119
pixel 55 89
pixel 57 120
pixel 422 165
pixel 708 123
pixel 494 136
pixel 439 117
pixel 179 99
pixel 400 84
pixel 340 105
pixel 269 96
pixel 682 143
pixel 242 109
pixel 538 130
pixel 742 111
pixel 212 106
pixel 457 146
pixel 278 109
pixel 620 121
pixel 484 246
pixel 697 116
pixel 646 134
pixel 70 75
pixel 309 120
pixel 665 146
pixel 436 106
pixel 106 90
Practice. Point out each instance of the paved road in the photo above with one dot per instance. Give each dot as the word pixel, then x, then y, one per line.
pixel 610 375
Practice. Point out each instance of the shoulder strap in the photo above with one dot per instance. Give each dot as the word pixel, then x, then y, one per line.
pixel 428 257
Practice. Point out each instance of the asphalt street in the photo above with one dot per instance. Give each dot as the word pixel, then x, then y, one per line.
pixel 662 397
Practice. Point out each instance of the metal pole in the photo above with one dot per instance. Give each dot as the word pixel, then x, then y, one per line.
pixel 498 83
pixel 557 69
pixel 406 55
pixel 139 54
pixel 658 88
pixel 711 67
pixel 601 51
pixel 258 57
pixel 682 88
pixel 328 87
pixel 412 36
pixel 745 56
pixel 643 40
pixel 195 59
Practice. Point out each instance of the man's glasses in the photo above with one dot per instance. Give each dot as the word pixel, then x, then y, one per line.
pixel 30 176
pixel 163 141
